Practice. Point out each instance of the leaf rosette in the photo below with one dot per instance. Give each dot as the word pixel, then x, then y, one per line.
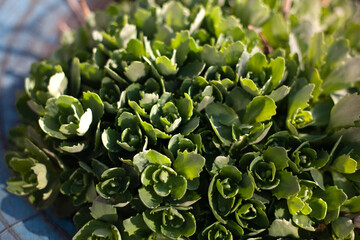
pixel 263 77
pixel 161 181
pixel 32 176
pixel 35 175
pixel 114 185
pixel 227 189
pixel 169 114
pixel 200 91
pixel 263 172
pixel 111 95
pixel 79 186
pixel 302 156
pixel 66 117
pixel 141 97
pixel 180 143
pixel 251 215
pixel 218 231
pixel 98 230
pixel 128 136
pixel 170 221
pixel 46 80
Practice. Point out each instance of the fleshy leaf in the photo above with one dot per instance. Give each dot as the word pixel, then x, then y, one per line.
pixel 288 186
pixel 277 155
pixel 260 109
pixel 344 164
pixel 345 112
pixel 165 66
pixel 136 71
pixel 92 100
pixel 283 228
pixel 342 227
pixel 102 210
pixel 149 197
pixel 136 226
pixel 190 165
pixel 333 196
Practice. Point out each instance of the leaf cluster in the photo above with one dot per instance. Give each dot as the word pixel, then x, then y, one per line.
pixel 199 120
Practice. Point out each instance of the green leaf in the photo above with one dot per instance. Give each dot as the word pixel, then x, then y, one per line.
pixel 233 52
pixel 149 197
pixel 283 228
pixel 316 79
pixel 212 56
pixel 92 100
pixel 351 205
pixel 109 139
pixel 300 99
pixel 277 155
pixel 260 109
pixel 344 164
pixel 343 76
pixel 288 186
pixel 345 112
pixel 185 107
pixel 190 165
pixel 295 204
pixel 136 49
pixel 146 21
pixel 165 66
pixel 256 65
pixel 190 126
pixel 249 86
pixel 319 208
pixel 152 220
pixel 333 196
pixel 127 33
pixel 195 25
pixel 98 229
pixel 136 226
pixel 57 84
pixel 318 178
pixel 222 114
pixel 179 189
pixel 222 118
pixel 91 73
pixel 157 158
pixel 336 52
pixel 136 71
pixel 191 70
pixel 102 210
pixel 72 147
pixel 276 31
pixel 252 12
pixel 175 15
pixel 219 163
pixel 277 71
pixel 316 49
pixel 304 222
pixel 342 227
pixel 280 93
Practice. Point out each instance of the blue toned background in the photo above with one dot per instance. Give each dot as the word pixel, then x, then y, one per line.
pixel 29 31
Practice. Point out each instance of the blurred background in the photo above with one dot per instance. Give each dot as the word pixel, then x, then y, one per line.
pixel 30 30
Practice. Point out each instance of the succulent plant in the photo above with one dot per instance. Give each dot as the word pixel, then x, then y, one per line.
pixel 198 120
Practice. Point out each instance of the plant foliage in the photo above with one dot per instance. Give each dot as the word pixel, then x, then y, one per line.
pixel 198 120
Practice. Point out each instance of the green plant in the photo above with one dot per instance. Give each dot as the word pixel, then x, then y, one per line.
pixel 198 120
